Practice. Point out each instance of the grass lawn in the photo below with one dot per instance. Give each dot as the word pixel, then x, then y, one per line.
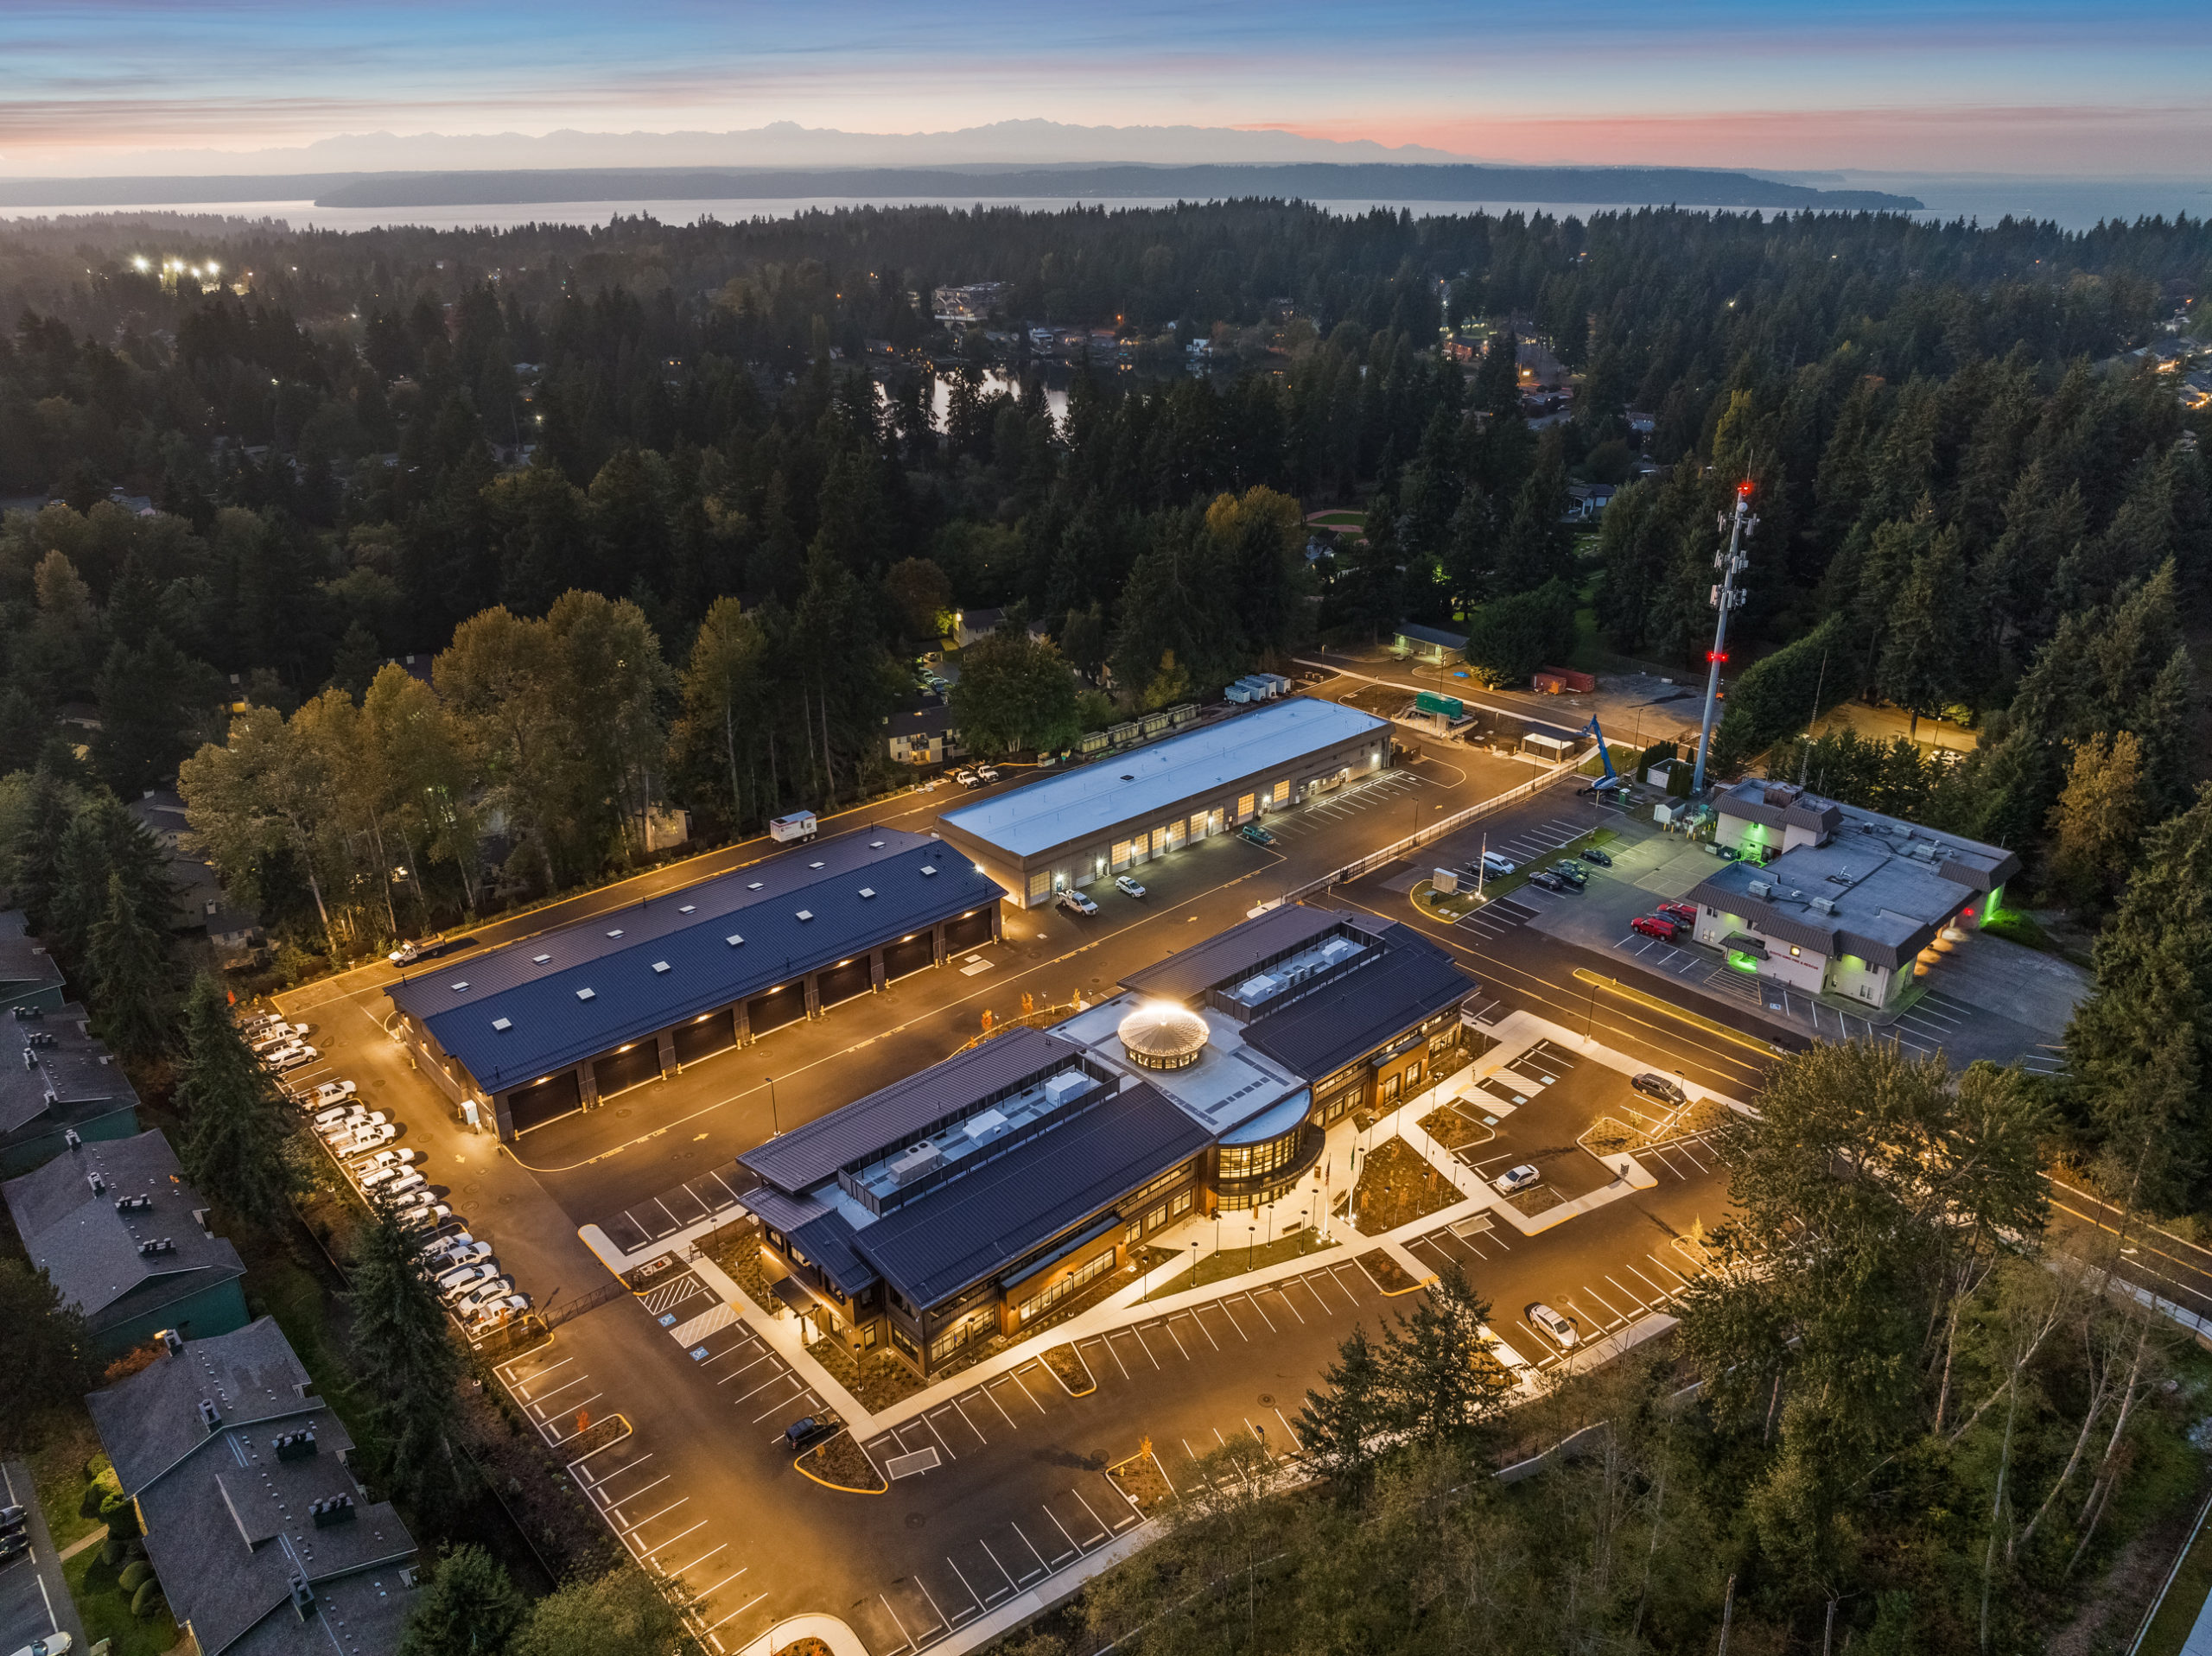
pixel 107 1609
pixel 1235 1261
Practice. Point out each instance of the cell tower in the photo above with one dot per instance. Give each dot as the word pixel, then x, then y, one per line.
pixel 1726 596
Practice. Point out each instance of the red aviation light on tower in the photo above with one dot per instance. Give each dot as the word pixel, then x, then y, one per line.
pixel 1744 490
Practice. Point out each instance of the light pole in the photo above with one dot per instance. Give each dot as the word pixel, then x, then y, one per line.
pixel 774 1121
pixel 1724 598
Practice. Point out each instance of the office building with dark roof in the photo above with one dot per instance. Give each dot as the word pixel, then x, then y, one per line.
pixel 559 1022
pixel 968 1201
pixel 1826 899
pixel 125 1239
pixel 1066 830
pixel 263 1537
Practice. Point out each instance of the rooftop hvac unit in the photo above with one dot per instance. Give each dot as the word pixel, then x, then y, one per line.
pixel 159 1245
pixel 1069 1083
pixel 1824 905
pixel 1760 888
pixel 1254 990
pixel 332 1509
pixel 293 1445
pixel 916 1163
pixel 1337 950
pixel 138 1204
pixel 985 1125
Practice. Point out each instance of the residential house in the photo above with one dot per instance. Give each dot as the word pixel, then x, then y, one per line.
pixel 258 1526
pixel 201 904
pixel 67 1083
pixel 1434 646
pixel 124 1237
pixel 921 732
pixel 28 976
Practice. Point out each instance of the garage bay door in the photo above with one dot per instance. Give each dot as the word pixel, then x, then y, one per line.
pixel 913 955
pixel 968 932
pixel 838 983
pixel 620 1071
pixel 551 1099
pixel 701 1036
pixel 786 1006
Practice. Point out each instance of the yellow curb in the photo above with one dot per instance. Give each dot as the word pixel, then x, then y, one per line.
pixel 627 1430
pixel 1055 1373
pixel 1696 1020
pixel 842 1489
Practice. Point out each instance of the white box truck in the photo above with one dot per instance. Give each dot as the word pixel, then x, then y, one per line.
pixel 788 830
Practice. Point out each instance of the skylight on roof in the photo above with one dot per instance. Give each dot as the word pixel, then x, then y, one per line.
pixel 688 908
pixel 754 887
pixel 660 966
pixel 457 987
pixel 806 914
pixel 814 865
pixel 617 932
pixel 927 869
pixel 539 959
pixel 503 1025
pixel 867 890
pixel 875 845
pixel 586 994
pixel 732 940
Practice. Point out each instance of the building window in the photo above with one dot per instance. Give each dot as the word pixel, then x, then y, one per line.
pixel 898 1339
pixel 1413 1076
pixel 1132 1234
pixel 1059 1290
pixel 1155 1186
pixel 1156 1218
pixel 1250 1161
pixel 1391 1085
pixel 1181 1205
pixel 977 1326
pixel 868 1337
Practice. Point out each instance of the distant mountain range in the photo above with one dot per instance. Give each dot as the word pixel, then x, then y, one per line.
pixel 1335 180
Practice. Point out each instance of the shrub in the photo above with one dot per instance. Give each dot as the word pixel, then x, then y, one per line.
pixel 146 1602
pixel 111 1550
pixel 121 1516
pixel 136 1575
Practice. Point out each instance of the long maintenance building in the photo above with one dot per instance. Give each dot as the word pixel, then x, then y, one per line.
pixel 538 1029
pixel 1106 817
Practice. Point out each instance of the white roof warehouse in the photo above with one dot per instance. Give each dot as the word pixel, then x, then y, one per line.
pixel 1126 808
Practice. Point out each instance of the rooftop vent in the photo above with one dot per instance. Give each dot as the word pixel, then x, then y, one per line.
pixel 1126 776
pixel 754 887
pixel 210 1415
pixel 503 1025
pixel 875 845
pixel 814 865
pixel 293 1445
pixel 1163 1035
pixel 332 1509
pixel 302 1596
pixel 173 1341
pixel 97 1182
pixel 587 995
pixel 458 987
pixel 660 966
pixel 1760 888
pixel 688 907
pixel 138 1204
pixel 156 1245
pixel 1824 905
pixel 617 932
pixel 539 959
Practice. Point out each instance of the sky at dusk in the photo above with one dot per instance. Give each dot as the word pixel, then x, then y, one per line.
pixel 2024 86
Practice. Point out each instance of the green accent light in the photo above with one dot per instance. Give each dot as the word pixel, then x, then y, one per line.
pixel 1742 962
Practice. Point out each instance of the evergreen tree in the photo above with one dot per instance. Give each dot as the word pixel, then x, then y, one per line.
pixel 626 1609
pixel 46 1351
pixel 2098 817
pixel 1338 1426
pixel 236 1127
pixel 471 1607
pixel 1927 651
pixel 1440 1382
pixel 130 973
pixel 409 1365
pixel 2139 1049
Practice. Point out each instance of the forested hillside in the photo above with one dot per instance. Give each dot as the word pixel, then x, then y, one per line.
pixel 667 505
